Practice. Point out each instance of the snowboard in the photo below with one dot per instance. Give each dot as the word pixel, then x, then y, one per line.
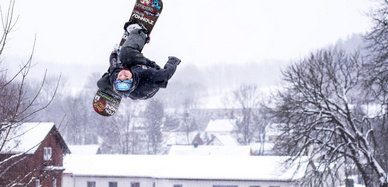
pixel 146 12
pixel 106 104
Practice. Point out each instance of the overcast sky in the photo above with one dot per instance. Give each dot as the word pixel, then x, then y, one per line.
pixel 80 34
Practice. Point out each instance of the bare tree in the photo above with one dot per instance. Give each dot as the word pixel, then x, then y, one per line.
pixel 8 23
pixel 379 33
pixel 378 53
pixel 120 133
pixel 376 76
pixel 323 115
pixel 153 116
pixel 247 99
pixel 188 124
pixel 80 124
pixel 18 102
pixel 114 133
pixel 171 123
pixel 261 121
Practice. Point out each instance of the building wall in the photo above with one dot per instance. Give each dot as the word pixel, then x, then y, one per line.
pixel 81 181
pixel 68 180
pixel 56 160
pixel 210 183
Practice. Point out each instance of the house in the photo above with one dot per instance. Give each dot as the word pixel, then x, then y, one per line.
pixel 222 140
pixel 32 155
pixel 220 132
pixel 197 140
pixel 179 171
pixel 265 144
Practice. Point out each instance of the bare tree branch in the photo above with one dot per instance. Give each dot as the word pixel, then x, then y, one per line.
pixel 323 110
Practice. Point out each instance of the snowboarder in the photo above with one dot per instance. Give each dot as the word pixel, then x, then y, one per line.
pixel 135 77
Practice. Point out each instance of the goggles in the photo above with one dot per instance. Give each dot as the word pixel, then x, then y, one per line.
pixel 123 85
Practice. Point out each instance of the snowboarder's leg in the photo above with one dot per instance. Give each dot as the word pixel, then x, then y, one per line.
pixel 130 53
pixel 137 35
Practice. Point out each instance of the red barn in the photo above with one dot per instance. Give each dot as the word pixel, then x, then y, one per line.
pixel 31 154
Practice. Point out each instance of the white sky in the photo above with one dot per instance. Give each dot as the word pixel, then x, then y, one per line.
pixel 82 33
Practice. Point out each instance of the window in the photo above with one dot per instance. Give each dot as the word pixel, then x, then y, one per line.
pixel 112 184
pixel 91 184
pixel 178 185
pixel 135 184
pixel 47 152
pixel 37 182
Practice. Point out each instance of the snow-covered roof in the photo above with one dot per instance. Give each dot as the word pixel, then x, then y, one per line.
pixel 26 137
pixel 210 150
pixel 226 140
pixel 84 149
pixel 221 125
pixel 263 168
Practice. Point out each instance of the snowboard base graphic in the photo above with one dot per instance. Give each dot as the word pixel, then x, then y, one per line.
pixel 106 104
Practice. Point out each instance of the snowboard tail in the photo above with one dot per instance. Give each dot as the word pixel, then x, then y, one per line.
pixel 106 104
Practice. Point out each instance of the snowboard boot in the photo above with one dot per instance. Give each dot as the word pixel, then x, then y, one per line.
pixel 133 27
pixel 134 24
pixel 137 36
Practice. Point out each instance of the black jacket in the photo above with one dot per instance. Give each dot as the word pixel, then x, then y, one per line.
pixel 147 76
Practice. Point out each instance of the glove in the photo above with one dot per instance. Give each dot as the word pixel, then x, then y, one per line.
pixel 174 60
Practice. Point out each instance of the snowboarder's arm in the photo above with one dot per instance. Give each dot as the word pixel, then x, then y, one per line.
pixel 152 64
pixel 162 76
